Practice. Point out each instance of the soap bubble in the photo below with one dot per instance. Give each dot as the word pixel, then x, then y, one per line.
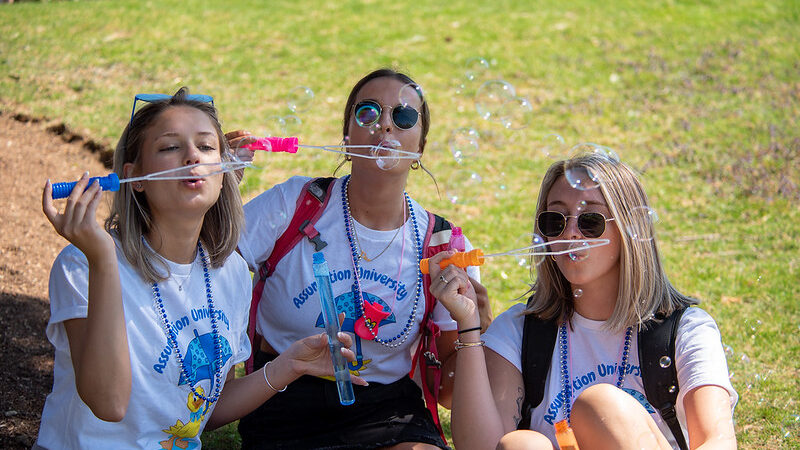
pixel 752 326
pixel 300 99
pixel 274 126
pixel 553 146
pixel 790 426
pixel 516 113
pixel 291 125
pixel 642 223
pixel 729 353
pixel 464 144
pixel 579 251
pixel 491 97
pixel 581 178
pixel 475 68
pixel 411 94
pixel 387 156
pixel 577 293
pixel 463 187
pixel 665 361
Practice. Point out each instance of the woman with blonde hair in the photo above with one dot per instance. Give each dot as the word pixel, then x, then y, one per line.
pixel 149 316
pixel 597 303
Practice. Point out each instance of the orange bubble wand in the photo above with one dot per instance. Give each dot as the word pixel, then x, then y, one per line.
pixel 539 248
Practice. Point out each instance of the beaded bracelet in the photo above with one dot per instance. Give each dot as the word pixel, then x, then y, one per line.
pixel 459 345
pixel 468 330
pixel 270 384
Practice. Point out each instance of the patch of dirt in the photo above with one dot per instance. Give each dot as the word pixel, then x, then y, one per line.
pixel 31 150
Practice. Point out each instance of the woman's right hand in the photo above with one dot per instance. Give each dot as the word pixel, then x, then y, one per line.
pixel 453 288
pixel 311 356
pixel 78 223
pixel 237 139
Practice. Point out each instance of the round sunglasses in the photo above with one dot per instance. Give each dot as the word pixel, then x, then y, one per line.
pixel 368 113
pixel 590 224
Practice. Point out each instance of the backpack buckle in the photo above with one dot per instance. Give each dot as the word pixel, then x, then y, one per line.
pixel 431 360
pixel 307 228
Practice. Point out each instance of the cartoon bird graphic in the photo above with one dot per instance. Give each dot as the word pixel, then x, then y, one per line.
pixel 180 431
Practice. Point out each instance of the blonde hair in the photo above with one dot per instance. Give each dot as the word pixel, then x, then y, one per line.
pixel 130 218
pixel 644 289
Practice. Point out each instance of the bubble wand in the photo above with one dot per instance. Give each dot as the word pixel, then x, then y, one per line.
pixel 477 258
pixel 112 182
pixel 291 145
pixel 331 320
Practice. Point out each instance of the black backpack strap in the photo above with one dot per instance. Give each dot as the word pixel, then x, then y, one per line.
pixel 659 375
pixel 538 343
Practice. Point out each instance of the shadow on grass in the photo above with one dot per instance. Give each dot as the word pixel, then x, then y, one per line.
pixel 27 375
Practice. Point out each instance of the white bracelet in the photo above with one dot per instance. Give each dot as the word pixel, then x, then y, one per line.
pixel 270 384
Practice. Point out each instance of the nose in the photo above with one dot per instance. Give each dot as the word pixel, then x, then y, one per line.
pixel 192 155
pixel 386 120
pixel 571 230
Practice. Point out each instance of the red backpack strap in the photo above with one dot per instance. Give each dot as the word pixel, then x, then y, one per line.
pixel 310 204
pixel 437 239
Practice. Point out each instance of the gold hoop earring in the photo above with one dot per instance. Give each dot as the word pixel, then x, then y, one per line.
pixel 553 257
pixel 415 165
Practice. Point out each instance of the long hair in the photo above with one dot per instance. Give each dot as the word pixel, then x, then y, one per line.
pixel 644 289
pixel 130 218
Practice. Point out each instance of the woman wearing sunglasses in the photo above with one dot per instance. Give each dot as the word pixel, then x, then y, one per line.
pixel 596 301
pixel 375 234
pixel 149 316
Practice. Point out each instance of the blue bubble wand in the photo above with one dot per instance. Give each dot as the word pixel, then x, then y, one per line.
pixel 331 319
pixel 112 182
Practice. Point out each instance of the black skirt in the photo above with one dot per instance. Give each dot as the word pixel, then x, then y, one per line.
pixel 308 415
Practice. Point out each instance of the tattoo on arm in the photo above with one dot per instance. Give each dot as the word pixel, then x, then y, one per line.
pixel 518 416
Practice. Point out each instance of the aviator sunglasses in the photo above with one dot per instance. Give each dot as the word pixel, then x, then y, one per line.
pixel 368 113
pixel 590 224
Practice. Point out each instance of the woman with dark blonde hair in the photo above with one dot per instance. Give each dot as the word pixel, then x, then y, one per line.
pixel 597 300
pixel 149 316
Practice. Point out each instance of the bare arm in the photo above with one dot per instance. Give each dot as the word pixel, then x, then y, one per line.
pixel 480 415
pixel 99 343
pixel 309 356
pixel 709 418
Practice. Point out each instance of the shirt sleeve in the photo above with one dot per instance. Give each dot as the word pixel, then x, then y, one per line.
pixel 69 293
pixel 504 335
pixel 242 302
pixel 700 359
pixel 266 218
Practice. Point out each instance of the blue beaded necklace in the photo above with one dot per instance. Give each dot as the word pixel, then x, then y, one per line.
pixel 564 354
pixel 348 223
pixel 172 337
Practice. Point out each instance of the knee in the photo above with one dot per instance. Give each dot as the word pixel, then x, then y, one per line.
pixel 524 440
pixel 600 397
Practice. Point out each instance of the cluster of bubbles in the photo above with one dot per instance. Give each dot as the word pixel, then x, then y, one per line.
pixel 298 100
pixel 750 379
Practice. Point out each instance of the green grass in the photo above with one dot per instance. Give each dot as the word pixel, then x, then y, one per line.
pixel 703 97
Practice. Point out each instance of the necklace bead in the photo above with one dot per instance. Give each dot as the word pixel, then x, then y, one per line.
pixel 564 343
pixel 400 338
pixel 172 336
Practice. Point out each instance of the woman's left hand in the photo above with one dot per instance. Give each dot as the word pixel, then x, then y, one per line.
pixel 452 287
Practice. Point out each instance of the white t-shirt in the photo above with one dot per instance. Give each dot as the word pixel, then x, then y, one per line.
pixel 159 412
pixel 595 355
pixel 290 308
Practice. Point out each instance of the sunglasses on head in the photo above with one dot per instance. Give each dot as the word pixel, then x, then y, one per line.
pixel 368 113
pixel 149 98
pixel 552 223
